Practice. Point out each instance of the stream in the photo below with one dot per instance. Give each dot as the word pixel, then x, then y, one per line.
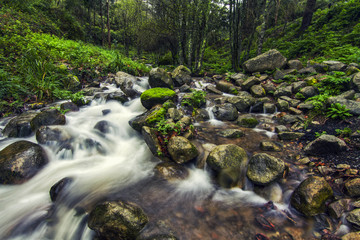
pixel 119 165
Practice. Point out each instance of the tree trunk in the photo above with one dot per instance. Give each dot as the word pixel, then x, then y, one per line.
pixel 102 24
pixel 307 17
pixel 108 22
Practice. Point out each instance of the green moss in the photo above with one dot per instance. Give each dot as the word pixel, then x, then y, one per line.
pixel 169 104
pixel 156 116
pixel 248 122
pixel 157 93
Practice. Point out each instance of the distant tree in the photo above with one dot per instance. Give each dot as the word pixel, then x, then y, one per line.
pixel 307 17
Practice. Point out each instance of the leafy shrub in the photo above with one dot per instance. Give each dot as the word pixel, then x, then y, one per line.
pixel 338 111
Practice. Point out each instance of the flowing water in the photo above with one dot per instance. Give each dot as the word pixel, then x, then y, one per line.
pixel 119 165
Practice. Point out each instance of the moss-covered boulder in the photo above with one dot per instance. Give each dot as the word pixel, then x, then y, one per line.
pixel 181 75
pixel 148 118
pixel 227 156
pixel 270 60
pixel 310 196
pixel 181 149
pixel 48 117
pixel 20 161
pixel 264 169
pixel 242 103
pixel 20 125
pixel 158 77
pixel 117 220
pixel 247 121
pixel 154 96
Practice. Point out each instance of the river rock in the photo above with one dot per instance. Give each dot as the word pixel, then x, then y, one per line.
pixel 231 133
pixel 282 105
pixel 247 121
pixel 297 86
pixel 47 118
pixel 258 91
pixel 290 136
pixel 103 126
pixel 309 91
pixel 117 96
pixel 353 187
pixel 295 64
pixel 201 115
pixel 20 161
pixel 153 143
pixel 148 118
pixel 242 103
pixel 325 144
pixel 354 218
pixel 212 89
pixel 126 83
pixel 50 134
pixel 155 96
pixel 251 81
pixel 356 81
pixel 269 60
pixel 283 91
pixel 181 76
pixel 225 86
pixel 117 220
pixel 307 70
pixel 310 196
pixel 159 78
pixel 227 156
pixel 57 190
pixel 338 208
pixel 270 146
pixel 225 112
pixel 238 77
pixel 69 106
pixel 171 171
pixel 181 149
pixel 335 66
pixel 351 236
pixel 264 169
pixel 269 108
pixel 20 125
pixel 269 87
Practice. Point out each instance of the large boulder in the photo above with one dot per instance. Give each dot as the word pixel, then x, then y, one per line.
pixel 20 161
pixel 126 83
pixel 158 77
pixel 356 81
pixel 227 156
pixel 181 76
pixel 325 144
pixel 270 60
pixel 242 103
pixel 117 220
pixel 148 118
pixel 264 169
pixel 181 149
pixel 225 112
pixel 48 117
pixel 20 125
pixel 310 196
pixel 154 96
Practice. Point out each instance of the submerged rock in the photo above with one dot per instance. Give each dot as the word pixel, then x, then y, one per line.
pixel 181 149
pixel 231 133
pixel 264 169
pixel 117 220
pixel 353 187
pixel 49 134
pixel 20 161
pixel 270 60
pixel 227 156
pixel 58 188
pixel 171 171
pixel 325 144
pixel 310 196
pixel 354 218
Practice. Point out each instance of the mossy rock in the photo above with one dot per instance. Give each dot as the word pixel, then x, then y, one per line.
pixel 247 121
pixel 148 118
pixel 154 96
pixel 227 156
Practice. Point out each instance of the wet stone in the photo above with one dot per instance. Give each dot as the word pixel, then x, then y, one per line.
pixel 351 236
pixel 70 106
pixel 57 190
pixel 353 187
pixel 325 144
pixel 247 121
pixel 289 136
pixel 338 208
pixel 270 146
pixel 281 128
pixel 354 218
pixel 226 156
pixel 171 171
pixel 232 133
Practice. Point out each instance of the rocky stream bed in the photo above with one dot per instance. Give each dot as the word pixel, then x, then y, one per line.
pixel 242 162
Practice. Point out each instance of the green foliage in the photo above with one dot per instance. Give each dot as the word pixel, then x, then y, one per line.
pixel 317 134
pixel 164 127
pixel 299 96
pixel 216 61
pixel 346 132
pixel 334 84
pixel 157 93
pixel 196 99
pixel 338 111
pixel 319 102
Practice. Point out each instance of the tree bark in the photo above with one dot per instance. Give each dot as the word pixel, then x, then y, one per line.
pixel 108 22
pixel 307 17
